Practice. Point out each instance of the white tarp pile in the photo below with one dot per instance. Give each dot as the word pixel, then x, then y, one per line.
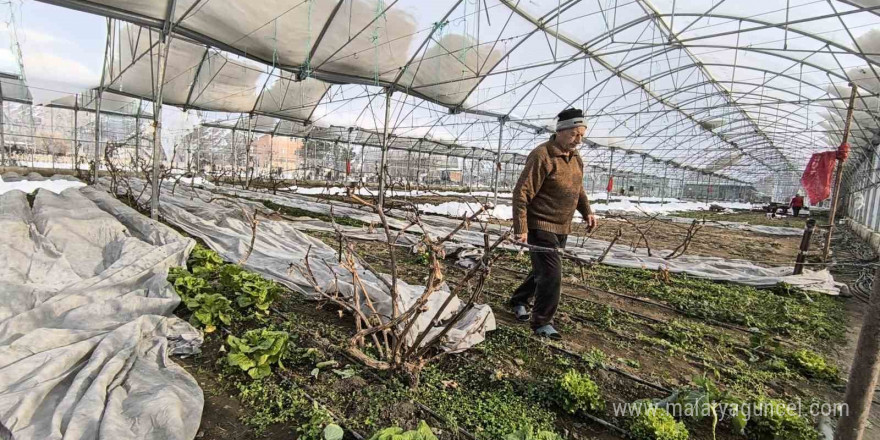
pixel 713 268
pixel 279 253
pixel 85 326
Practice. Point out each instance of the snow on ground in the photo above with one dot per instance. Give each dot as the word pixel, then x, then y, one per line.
pixel 29 186
pixel 337 190
pixel 505 212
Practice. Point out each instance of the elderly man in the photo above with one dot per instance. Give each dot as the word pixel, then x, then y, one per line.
pixel 545 197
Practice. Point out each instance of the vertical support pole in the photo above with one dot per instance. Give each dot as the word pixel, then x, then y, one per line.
pixel 248 170
pixel 641 178
pixel 363 157
pixel 863 375
pixel 497 161
pixel 384 158
pixel 838 173
pixel 683 179
pixel 99 93
pixel 137 134
pixel 610 187
pixel 3 130
pixel 708 186
pixel 471 175
pixel 592 181
pixel 76 134
pixel 419 167
pixel 272 159
pixel 348 154
pixel 165 40
pixel 235 156
pixel 663 184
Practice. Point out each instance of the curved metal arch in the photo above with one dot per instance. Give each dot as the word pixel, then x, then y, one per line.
pixel 697 98
pixel 698 112
pixel 689 87
pixel 548 16
pixel 741 147
pixel 606 64
pixel 786 25
pixel 673 37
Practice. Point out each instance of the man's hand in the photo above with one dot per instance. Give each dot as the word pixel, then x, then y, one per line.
pixel 591 222
pixel 521 238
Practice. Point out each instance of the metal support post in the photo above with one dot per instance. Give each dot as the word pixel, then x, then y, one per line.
pixel 663 185
pixel 76 134
pixel 99 93
pixel 3 130
pixel 137 134
pixel 384 158
pixel 641 178
pixel 708 186
pixel 609 186
pixel 165 39
pixel 498 161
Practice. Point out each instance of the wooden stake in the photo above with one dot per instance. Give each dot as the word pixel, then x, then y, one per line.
pixel 838 173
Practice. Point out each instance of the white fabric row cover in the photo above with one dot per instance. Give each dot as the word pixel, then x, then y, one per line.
pixel 86 331
pixel 280 251
pixel 713 268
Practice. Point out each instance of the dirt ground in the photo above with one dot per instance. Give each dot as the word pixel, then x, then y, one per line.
pixel 708 241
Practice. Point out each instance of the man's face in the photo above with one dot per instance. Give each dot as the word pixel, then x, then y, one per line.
pixel 570 138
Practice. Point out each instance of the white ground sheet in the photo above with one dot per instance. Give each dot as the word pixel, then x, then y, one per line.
pixel 11 181
pixel 279 253
pixel 85 326
pixel 719 269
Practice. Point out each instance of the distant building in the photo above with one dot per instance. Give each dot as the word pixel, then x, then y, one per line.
pixel 281 154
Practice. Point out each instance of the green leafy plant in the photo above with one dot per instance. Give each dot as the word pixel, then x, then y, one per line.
pixel 422 432
pixel 577 392
pixel 320 426
pixel 812 364
pixel 775 420
pixel 530 434
pixel 705 399
pixel 186 284
pixel 333 432
pixel 209 309
pixel 250 288
pixel 257 351
pixel 596 358
pixel 653 423
pixel 204 261
pixel 272 403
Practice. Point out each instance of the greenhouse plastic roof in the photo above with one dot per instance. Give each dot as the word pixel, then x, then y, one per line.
pixel 742 89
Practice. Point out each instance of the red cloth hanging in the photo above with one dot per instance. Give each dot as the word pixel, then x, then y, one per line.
pixel 610 186
pixel 819 174
pixel 842 152
pixel 347 167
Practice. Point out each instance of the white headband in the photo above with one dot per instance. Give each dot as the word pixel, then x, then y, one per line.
pixel 571 123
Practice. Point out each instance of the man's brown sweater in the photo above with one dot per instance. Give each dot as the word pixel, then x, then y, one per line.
pixel 549 190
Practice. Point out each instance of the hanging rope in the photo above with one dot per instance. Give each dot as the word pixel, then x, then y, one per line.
pixel 307 66
pixel 374 38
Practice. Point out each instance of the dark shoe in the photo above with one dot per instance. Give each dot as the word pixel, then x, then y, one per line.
pixel 522 314
pixel 547 331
